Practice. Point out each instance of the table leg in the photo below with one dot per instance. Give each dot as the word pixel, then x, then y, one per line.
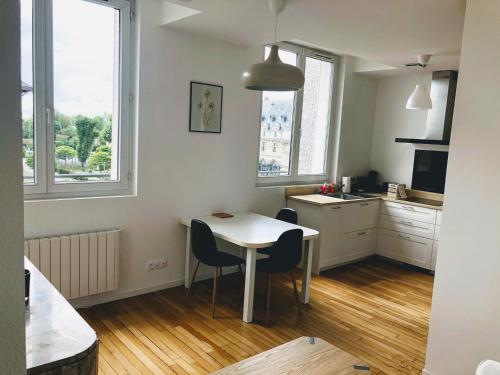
pixel 306 270
pixel 187 266
pixel 249 285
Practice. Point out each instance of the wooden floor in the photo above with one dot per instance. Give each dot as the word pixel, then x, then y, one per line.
pixel 375 310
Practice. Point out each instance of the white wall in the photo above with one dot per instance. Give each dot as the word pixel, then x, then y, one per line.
pixel 394 161
pixel 355 112
pixel 12 338
pixel 465 324
pixel 180 174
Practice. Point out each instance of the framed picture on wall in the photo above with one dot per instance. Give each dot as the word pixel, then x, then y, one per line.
pixel 205 115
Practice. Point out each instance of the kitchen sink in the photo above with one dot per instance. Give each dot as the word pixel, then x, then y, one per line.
pixel 344 196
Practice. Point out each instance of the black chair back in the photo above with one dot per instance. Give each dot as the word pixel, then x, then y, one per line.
pixel 286 253
pixel 203 243
pixel 287 214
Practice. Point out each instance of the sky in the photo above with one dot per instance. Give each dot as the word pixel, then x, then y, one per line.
pixel 83 55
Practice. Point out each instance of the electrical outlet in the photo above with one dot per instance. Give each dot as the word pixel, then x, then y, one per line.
pixel 154 265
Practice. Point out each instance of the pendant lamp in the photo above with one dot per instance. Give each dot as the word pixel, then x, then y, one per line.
pixel 420 98
pixel 273 74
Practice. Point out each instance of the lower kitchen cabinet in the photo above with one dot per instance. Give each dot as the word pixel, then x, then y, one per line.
pixel 357 245
pixel 348 231
pixel 330 234
pixel 405 248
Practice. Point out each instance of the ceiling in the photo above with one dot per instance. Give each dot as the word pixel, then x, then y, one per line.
pixel 388 32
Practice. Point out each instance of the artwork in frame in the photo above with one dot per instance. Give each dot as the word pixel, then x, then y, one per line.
pixel 205 114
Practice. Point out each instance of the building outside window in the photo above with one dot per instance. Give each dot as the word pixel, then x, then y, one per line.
pixel 76 96
pixel 299 123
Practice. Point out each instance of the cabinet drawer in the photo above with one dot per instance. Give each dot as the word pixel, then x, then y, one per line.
pixel 359 244
pixel 408 226
pixel 360 216
pixel 405 248
pixel 426 215
pixel 437 232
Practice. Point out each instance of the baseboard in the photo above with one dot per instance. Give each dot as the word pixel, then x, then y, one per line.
pixel 426 372
pixel 99 299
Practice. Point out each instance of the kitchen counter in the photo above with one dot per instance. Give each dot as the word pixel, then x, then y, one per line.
pixel 323 200
pixel 58 340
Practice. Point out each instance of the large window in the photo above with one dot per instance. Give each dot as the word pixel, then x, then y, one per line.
pixel 76 70
pixel 297 124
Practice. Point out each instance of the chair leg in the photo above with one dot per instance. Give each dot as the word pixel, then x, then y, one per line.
pixel 214 292
pixel 295 291
pixel 192 281
pixel 268 307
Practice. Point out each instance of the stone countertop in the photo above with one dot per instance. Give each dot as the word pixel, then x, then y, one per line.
pixel 56 335
pixel 323 200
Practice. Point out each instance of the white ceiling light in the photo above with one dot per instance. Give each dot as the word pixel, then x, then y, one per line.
pixel 420 98
pixel 273 74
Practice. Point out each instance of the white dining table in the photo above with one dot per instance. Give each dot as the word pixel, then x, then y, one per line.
pixel 252 231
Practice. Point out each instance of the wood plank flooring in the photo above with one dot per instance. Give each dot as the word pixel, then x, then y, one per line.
pixel 375 310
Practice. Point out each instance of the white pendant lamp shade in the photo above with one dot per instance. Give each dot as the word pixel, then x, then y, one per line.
pixel 273 75
pixel 419 99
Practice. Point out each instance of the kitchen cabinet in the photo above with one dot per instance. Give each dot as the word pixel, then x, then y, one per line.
pixel 425 215
pixel 400 224
pixel 409 234
pixel 358 245
pixel 329 253
pixel 360 215
pixel 405 248
pixel 348 231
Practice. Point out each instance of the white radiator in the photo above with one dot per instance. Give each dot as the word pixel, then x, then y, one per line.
pixel 78 265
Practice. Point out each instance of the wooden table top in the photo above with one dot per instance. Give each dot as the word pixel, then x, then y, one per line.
pixel 304 355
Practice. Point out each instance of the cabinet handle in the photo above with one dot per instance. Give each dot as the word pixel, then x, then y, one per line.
pixel 364 204
pixel 406 222
pixel 361 233
pixel 411 208
pixel 336 208
pixel 410 239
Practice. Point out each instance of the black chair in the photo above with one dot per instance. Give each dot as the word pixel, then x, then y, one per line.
pixel 206 252
pixel 284 256
pixel 288 215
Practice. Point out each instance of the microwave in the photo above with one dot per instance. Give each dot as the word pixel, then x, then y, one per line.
pixel 429 171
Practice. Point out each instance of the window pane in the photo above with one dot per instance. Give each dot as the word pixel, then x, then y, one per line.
pixel 86 95
pixel 276 127
pixel 315 117
pixel 27 91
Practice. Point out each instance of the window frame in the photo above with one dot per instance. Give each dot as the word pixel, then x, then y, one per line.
pixel 294 178
pixel 45 186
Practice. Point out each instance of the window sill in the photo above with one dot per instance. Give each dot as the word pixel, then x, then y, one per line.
pixel 288 184
pixel 33 198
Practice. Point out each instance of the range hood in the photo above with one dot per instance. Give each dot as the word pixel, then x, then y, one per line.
pixel 440 117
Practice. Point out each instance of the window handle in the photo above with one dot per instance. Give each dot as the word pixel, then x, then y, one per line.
pixel 48 116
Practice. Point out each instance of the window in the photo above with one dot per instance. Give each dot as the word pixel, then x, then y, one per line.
pixel 301 153
pixel 76 96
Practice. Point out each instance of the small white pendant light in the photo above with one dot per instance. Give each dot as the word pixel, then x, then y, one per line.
pixel 273 74
pixel 420 98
